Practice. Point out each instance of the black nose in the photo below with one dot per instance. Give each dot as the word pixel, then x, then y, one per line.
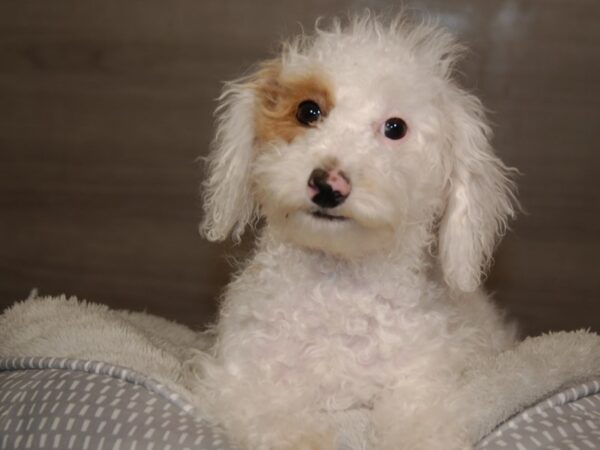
pixel 324 194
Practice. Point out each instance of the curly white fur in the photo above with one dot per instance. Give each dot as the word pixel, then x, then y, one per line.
pixel 381 310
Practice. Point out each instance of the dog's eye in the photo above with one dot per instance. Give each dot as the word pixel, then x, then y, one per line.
pixel 308 112
pixel 395 128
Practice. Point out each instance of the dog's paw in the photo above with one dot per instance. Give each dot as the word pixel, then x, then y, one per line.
pixel 312 442
pixel 438 438
pixel 439 445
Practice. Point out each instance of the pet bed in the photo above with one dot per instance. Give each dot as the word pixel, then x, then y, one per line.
pixel 58 403
pixel 71 401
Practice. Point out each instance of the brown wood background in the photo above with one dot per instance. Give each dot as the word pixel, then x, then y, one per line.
pixel 105 106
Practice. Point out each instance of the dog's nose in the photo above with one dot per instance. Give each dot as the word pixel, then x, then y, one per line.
pixel 328 189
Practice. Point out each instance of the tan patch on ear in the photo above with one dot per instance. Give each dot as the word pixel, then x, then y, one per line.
pixel 278 98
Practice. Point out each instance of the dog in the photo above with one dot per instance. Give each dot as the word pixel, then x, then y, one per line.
pixel 379 202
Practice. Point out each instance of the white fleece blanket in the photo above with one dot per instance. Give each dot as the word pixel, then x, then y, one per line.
pixel 496 389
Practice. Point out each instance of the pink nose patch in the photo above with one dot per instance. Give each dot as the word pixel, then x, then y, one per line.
pixel 338 182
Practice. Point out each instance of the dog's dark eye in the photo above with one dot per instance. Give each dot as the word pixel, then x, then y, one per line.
pixel 395 128
pixel 308 112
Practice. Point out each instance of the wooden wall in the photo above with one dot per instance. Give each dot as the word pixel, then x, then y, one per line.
pixel 105 106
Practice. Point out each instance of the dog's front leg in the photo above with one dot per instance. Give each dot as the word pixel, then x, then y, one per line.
pixel 278 430
pixel 259 414
pixel 419 416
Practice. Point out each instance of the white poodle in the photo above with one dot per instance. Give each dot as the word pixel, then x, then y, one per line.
pixel 380 201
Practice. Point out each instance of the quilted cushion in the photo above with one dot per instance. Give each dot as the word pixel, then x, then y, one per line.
pixel 50 403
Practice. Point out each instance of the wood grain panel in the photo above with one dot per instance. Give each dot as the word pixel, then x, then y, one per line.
pixel 105 106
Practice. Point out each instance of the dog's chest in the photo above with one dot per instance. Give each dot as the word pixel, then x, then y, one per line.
pixel 343 334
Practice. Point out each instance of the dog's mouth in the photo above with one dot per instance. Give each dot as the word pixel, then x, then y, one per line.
pixel 323 215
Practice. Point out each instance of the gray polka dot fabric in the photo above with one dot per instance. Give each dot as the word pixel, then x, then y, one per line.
pixel 569 420
pixel 65 404
pixel 51 403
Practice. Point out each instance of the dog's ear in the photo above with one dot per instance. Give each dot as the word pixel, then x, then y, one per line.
pixel 227 192
pixel 480 195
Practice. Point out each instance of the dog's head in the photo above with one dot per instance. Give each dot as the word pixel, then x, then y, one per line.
pixel 354 138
